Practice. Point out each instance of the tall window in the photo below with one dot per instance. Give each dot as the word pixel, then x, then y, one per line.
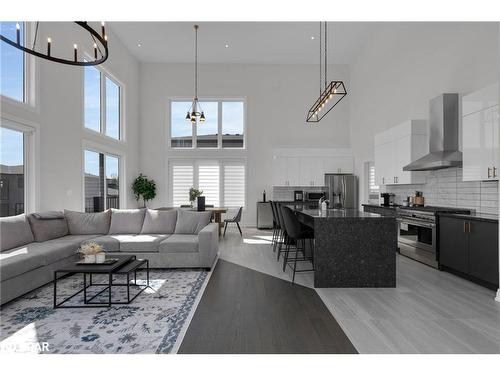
pixel 12 64
pixel 223 128
pixel 102 103
pixel 11 172
pixel 223 182
pixel 102 183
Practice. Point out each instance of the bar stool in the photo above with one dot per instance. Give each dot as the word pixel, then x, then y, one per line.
pixel 297 234
pixel 283 237
pixel 275 226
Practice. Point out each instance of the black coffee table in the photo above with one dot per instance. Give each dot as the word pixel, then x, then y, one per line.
pixel 125 266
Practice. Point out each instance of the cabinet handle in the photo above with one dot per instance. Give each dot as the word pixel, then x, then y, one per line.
pixel 468 227
pixel 465 227
pixel 489 172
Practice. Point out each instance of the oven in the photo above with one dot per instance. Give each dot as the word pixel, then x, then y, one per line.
pixel 417 236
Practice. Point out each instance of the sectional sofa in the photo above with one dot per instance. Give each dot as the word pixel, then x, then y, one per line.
pixel 33 246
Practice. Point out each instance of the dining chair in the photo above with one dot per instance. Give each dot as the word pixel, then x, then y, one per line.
pixel 236 219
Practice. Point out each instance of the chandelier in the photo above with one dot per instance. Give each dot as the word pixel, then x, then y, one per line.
pixel 195 112
pixel 100 43
pixel 330 94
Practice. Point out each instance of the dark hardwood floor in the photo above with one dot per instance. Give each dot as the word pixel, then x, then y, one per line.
pixel 245 311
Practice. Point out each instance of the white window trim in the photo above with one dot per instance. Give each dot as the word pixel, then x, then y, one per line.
pixel 31 159
pixel 105 73
pixel 106 150
pixel 195 162
pixel 219 147
pixel 31 101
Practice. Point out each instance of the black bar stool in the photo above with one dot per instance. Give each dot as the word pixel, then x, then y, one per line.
pixel 297 234
pixel 275 226
pixel 282 237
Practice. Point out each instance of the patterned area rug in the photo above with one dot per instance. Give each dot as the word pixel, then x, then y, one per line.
pixel 152 323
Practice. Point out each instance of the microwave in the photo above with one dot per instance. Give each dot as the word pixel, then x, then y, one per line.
pixel 315 196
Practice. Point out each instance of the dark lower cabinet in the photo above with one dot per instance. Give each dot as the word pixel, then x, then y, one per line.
pixel 483 251
pixel 380 210
pixel 469 247
pixel 453 244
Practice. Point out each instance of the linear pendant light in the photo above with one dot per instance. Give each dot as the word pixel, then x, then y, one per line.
pixel 330 93
pixel 195 113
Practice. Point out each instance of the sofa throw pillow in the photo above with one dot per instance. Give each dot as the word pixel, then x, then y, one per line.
pixel 14 231
pixel 45 229
pixel 191 222
pixel 88 223
pixel 159 222
pixel 126 221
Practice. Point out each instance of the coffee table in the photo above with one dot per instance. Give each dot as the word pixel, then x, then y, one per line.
pixel 125 266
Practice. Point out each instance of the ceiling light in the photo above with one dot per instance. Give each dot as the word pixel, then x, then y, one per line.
pixel 227 45
pixel 195 112
pixel 312 38
pixel 139 44
pixel 330 93
pixel 100 42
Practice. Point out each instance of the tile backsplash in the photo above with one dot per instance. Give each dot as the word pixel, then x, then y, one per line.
pixel 285 193
pixel 445 188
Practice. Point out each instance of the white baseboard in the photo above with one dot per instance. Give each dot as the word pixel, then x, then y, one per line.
pixel 497 298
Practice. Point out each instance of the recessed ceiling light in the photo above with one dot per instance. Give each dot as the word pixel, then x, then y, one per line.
pixel 227 45
pixel 139 44
pixel 312 38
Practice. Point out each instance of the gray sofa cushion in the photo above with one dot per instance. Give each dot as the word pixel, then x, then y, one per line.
pixel 47 229
pixel 180 243
pixel 191 222
pixel 109 243
pixel 131 242
pixel 88 223
pixel 159 222
pixel 126 221
pixel 14 231
pixel 26 258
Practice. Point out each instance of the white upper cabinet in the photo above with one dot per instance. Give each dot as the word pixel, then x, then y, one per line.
pixel 480 125
pixel 479 100
pixel 307 167
pixel 398 147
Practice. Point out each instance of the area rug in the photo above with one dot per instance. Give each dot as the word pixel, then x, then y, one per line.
pixel 152 323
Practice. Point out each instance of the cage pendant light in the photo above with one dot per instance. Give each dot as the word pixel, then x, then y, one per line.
pixel 330 94
pixel 195 113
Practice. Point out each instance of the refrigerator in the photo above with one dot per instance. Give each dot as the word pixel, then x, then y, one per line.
pixel 342 190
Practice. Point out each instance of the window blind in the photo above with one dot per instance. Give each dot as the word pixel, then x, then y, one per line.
pixel 182 181
pixel 209 182
pixel 234 184
pixel 374 188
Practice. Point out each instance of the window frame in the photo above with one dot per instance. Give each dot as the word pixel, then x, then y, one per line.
pixel 97 148
pixel 31 142
pixel 30 78
pixel 105 73
pixel 194 136
pixel 195 162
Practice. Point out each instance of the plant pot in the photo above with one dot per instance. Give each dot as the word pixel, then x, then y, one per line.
pixel 100 257
pixel 89 258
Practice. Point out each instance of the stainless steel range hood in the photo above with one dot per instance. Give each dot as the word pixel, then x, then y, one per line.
pixel 443 136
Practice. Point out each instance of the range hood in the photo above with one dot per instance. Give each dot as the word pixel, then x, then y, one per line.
pixel 443 136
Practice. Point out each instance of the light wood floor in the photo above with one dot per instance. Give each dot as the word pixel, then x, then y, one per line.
pixel 429 311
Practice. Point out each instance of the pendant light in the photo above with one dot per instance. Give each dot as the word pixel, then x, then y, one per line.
pixel 330 94
pixel 195 113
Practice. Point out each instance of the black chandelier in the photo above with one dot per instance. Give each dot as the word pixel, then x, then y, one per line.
pixel 329 94
pixel 195 112
pixel 100 42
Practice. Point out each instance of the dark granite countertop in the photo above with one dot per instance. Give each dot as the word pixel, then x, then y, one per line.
pixel 393 207
pixel 477 216
pixel 338 214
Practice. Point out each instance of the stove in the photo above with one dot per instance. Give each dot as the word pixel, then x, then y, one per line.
pixel 417 229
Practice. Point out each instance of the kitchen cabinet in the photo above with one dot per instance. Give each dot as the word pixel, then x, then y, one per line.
pixel 470 247
pixel 398 147
pixel 380 210
pixel 480 145
pixel 307 167
pixel 286 171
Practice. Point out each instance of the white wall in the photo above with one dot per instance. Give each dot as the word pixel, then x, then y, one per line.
pixel 277 97
pixel 404 65
pixel 59 119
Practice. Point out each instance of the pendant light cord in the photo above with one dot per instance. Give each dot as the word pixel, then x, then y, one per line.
pixel 196 61
pixel 326 57
pixel 320 59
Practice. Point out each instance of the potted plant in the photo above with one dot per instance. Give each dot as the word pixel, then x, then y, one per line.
pixel 144 188
pixel 193 194
pixel 92 252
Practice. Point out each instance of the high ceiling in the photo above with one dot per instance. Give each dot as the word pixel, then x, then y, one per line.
pixel 248 42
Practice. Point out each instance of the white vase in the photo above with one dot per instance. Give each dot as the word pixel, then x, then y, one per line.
pixel 100 257
pixel 89 258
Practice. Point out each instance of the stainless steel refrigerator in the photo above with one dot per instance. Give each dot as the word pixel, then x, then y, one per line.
pixel 342 190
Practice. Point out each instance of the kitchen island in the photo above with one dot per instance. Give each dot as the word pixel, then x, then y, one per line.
pixel 353 249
